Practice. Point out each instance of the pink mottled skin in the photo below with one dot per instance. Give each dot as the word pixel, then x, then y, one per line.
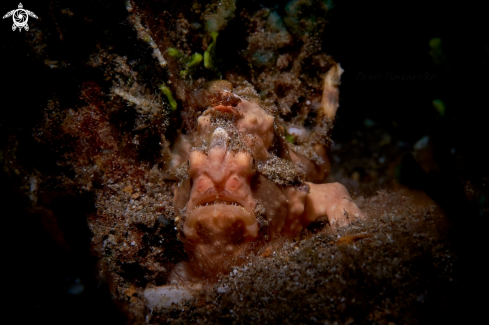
pixel 220 201
pixel 220 223
pixel 224 188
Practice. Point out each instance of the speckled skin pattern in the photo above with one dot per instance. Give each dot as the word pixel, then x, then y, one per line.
pixel 228 200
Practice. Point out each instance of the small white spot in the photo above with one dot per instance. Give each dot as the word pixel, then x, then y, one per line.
pixel 222 289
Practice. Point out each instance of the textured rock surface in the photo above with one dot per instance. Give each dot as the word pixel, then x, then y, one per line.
pixel 395 266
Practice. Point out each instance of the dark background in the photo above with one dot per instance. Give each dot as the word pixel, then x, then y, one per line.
pixel 373 41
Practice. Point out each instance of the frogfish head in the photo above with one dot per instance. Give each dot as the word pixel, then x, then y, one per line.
pixel 217 199
pixel 231 199
pixel 220 207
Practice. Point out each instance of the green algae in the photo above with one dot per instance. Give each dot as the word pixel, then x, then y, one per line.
pixel 439 105
pixel 167 92
pixel 210 52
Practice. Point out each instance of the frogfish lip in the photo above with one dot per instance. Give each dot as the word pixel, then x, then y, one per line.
pixel 214 196
pixel 222 219
pixel 226 109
